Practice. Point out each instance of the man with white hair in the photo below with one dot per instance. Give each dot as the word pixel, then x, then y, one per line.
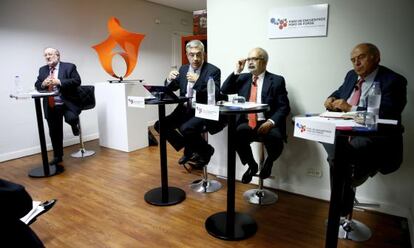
pixel 64 79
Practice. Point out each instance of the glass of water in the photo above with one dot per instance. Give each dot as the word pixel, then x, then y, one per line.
pixel 370 120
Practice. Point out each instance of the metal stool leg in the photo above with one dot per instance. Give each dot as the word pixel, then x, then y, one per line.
pixel 82 151
pixel 353 229
pixel 205 185
pixel 260 196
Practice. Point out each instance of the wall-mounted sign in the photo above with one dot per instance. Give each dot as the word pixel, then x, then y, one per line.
pixel 304 21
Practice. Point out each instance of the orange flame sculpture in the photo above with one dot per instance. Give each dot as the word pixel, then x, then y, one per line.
pixel 128 41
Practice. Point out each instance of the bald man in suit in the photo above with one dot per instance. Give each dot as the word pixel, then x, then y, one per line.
pixel 367 155
pixel 270 126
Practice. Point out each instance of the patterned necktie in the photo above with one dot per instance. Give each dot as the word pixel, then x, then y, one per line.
pixel 253 93
pixel 357 93
pixel 51 99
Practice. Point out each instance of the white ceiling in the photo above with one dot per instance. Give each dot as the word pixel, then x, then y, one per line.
pixel 186 5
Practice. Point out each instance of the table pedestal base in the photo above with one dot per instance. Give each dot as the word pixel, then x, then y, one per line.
pixel 244 226
pixel 174 196
pixel 40 172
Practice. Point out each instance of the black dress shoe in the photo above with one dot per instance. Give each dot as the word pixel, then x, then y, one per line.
pixel 266 170
pixel 55 161
pixel 47 205
pixel 75 129
pixel 248 175
pixel 202 159
pixel 59 168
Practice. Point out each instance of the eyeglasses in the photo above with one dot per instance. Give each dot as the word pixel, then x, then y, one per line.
pixel 254 59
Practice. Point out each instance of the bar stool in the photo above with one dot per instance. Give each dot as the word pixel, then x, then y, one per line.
pixel 352 229
pixel 87 95
pixel 260 195
pixel 205 185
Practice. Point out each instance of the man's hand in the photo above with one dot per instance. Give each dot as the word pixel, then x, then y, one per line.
pixel 265 127
pixel 341 105
pixel 192 77
pixel 50 82
pixel 173 75
pixel 328 103
pixel 240 66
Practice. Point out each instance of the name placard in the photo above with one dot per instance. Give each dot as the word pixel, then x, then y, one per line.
pixel 136 101
pixel 210 112
pixel 307 128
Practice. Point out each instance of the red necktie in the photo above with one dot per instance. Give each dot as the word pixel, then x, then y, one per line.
pixel 252 98
pixel 357 93
pixel 51 99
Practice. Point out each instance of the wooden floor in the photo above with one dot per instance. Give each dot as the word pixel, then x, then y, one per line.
pixel 101 204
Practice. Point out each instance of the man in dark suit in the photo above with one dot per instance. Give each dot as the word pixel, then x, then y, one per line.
pixel 367 155
pixel 15 203
pixel 183 129
pixel 259 86
pixel 62 78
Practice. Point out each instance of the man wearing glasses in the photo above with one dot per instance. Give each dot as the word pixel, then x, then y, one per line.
pixel 183 129
pixel 259 86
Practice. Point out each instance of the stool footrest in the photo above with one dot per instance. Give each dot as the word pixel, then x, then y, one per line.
pixel 354 230
pixel 82 153
pixel 205 186
pixel 260 196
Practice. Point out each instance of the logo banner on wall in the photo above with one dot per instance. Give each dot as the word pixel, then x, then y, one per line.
pixel 304 21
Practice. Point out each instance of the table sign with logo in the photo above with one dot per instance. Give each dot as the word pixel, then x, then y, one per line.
pixel 308 128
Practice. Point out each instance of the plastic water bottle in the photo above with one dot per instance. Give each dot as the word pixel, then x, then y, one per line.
pixel 17 85
pixel 373 104
pixel 211 91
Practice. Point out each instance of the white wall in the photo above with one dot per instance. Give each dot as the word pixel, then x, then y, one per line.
pixel 313 68
pixel 27 27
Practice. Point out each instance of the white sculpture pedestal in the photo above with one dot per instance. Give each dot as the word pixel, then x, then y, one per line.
pixel 121 127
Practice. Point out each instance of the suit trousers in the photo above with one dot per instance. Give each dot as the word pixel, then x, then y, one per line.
pixel 192 130
pixel 55 123
pixel 172 123
pixel 365 156
pixel 273 142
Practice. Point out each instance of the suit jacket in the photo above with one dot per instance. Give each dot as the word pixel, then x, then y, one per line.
pixel 15 201
pixel 207 70
pixel 273 93
pixel 70 80
pixel 393 92
pixel 388 150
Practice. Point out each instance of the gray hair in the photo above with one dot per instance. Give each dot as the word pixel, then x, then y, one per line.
pixel 194 44
pixel 56 51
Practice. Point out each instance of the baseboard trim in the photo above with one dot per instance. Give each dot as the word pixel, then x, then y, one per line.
pixel 36 149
